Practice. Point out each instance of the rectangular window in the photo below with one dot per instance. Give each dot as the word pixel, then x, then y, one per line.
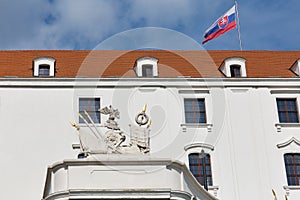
pixel 194 110
pixel 235 70
pixel 92 106
pixel 287 110
pixel 44 70
pixel 292 168
pixel 200 166
pixel 147 71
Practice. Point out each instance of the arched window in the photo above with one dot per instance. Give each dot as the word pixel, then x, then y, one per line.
pixel 200 166
pixel 292 168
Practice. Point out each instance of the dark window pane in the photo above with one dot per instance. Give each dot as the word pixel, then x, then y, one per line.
pixel 293 117
pixel 207 169
pixel 235 70
pixel 292 181
pixel 297 159
pixel 147 71
pixel 209 181
pixel 292 167
pixel 282 117
pixel 92 106
pixel 287 110
pixel 194 111
pixel 280 105
pixel 288 159
pixel 291 106
pixel 44 70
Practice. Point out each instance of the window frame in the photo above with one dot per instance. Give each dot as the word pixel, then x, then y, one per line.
pixel 195 111
pixel 293 179
pixel 80 121
pixel 296 111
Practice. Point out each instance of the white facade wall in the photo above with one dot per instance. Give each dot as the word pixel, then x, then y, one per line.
pixel 241 133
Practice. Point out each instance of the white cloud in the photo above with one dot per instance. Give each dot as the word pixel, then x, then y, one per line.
pixel 75 24
pixel 60 24
pixel 150 37
pixel 80 23
pixel 69 24
pixel 167 12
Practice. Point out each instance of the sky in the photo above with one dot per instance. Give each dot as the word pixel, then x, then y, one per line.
pixel 84 24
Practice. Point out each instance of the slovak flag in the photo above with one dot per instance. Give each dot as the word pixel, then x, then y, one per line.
pixel 225 23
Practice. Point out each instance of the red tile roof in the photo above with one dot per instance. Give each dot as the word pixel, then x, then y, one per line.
pixel 71 63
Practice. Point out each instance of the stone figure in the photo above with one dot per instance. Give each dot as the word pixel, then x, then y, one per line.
pixel 113 113
pixel 114 138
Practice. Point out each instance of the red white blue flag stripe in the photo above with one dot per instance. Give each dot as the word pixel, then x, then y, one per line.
pixel 222 25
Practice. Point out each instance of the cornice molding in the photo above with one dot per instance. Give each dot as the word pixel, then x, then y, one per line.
pixel 201 145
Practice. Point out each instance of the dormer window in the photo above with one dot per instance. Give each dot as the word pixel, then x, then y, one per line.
pixel 146 67
pixel 44 67
pixel 234 67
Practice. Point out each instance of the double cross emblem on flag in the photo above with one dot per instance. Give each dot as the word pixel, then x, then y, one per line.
pixel 222 23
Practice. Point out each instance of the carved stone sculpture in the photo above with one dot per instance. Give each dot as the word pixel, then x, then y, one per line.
pixel 113 113
pixel 113 139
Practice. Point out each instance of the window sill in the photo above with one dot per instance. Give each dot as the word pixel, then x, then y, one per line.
pixel 288 188
pixel 214 190
pixel 75 146
pixel 288 125
pixel 84 125
pixel 196 125
pixel 291 187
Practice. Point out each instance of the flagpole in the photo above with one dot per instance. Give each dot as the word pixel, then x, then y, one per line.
pixel 238 25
